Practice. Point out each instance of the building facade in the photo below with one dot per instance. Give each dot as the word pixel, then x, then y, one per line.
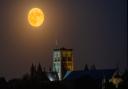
pixel 62 61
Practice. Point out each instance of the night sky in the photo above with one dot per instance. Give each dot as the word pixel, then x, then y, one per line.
pixel 94 29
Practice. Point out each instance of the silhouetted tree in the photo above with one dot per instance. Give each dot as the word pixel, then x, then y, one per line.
pixel 50 69
pixel 44 69
pixel 125 75
pixel 86 67
pixel 125 78
pixel 93 67
pixel 39 69
pixel 26 76
pixel 3 83
pixel 32 71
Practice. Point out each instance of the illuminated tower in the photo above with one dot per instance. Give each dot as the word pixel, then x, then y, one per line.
pixel 62 61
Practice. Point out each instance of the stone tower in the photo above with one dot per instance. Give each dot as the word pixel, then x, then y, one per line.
pixel 62 61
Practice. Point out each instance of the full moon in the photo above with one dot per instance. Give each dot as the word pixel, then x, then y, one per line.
pixel 35 17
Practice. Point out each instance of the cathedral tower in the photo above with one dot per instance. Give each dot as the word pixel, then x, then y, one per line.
pixel 62 61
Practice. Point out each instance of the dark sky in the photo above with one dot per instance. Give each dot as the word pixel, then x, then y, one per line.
pixel 94 29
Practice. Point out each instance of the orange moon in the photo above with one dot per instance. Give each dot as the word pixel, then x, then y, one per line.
pixel 35 17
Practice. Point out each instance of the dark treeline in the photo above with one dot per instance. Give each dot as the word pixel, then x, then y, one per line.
pixel 38 79
pixel 85 82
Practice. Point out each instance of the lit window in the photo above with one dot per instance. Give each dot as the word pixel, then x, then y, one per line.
pixel 69 54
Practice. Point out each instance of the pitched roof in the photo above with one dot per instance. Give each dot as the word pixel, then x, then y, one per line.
pixel 95 74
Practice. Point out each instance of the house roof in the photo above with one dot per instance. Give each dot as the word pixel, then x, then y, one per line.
pixel 95 74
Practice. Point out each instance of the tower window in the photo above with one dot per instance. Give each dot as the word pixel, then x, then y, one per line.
pixel 69 59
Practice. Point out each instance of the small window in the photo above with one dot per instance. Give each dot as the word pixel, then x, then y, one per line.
pixel 68 59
